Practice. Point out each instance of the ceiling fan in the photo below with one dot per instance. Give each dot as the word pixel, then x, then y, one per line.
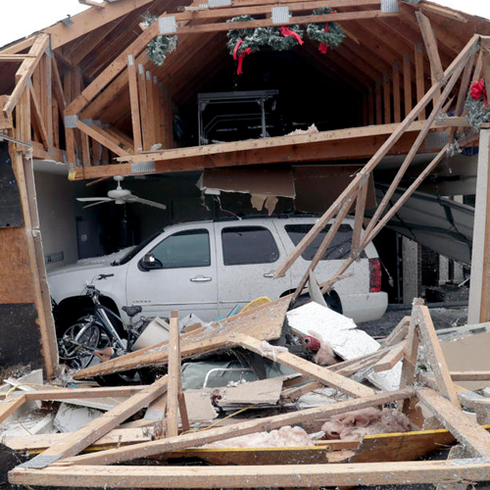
pixel 119 196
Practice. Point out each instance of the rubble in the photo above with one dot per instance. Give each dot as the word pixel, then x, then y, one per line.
pixel 216 423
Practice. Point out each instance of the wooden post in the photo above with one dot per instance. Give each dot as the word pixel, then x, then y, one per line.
pixel 479 303
pixel 407 83
pixel 379 103
pixel 387 98
pixel 145 132
pixel 420 76
pixel 173 376
pixel 397 112
pixel 134 101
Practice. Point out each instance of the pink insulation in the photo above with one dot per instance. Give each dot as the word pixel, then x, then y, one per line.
pixel 286 436
pixel 325 356
pixel 357 424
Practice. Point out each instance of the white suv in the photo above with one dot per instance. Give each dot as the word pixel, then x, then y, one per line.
pixel 209 267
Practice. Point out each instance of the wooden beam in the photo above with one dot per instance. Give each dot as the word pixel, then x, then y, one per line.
pixel 407 83
pixel 25 72
pixel 9 406
pixel 103 138
pixel 389 360
pixel 197 439
pixel 325 376
pixel 77 441
pixel 359 215
pixel 378 104
pixel 275 476
pixel 173 376
pixel 397 111
pixel 88 21
pixel 474 437
pixel 387 98
pixel 134 102
pixel 143 103
pixel 430 42
pixel 420 76
pixel 433 353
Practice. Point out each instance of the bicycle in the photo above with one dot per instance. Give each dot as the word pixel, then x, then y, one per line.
pixel 93 334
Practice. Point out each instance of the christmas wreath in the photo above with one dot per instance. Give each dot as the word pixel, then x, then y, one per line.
pixel 159 47
pixel 329 34
pixel 477 113
pixel 242 42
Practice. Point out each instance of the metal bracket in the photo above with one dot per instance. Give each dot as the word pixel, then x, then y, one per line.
pixel 389 5
pixel 148 75
pixel 88 122
pixel 280 15
pixel 4 137
pixel 71 121
pixel 143 167
pixel 167 25
pixel 219 3
pixel 140 69
pixel 130 60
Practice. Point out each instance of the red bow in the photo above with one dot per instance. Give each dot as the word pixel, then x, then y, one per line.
pixel 286 32
pixel 478 90
pixel 240 57
pixel 323 48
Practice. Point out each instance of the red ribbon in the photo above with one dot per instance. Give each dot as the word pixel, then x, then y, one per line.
pixel 240 57
pixel 286 32
pixel 323 48
pixel 478 90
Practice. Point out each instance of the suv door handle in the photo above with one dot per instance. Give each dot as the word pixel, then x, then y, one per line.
pixel 270 274
pixel 201 279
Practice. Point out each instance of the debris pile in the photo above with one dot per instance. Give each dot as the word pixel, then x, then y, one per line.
pixel 381 407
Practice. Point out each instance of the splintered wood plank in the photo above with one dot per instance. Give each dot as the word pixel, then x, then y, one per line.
pixel 420 77
pixel 264 322
pixel 248 427
pixel 430 42
pixel 281 476
pixel 359 215
pixel 433 353
pixel 9 406
pixel 37 119
pixel 77 441
pixel 319 373
pixel 474 437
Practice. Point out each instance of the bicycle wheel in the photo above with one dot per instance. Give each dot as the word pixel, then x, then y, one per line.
pixel 78 343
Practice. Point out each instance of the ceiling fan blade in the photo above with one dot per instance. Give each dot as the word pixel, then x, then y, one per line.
pixel 134 198
pixel 96 203
pixel 91 199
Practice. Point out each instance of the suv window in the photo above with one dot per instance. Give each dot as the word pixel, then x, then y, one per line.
pixel 338 249
pixel 184 249
pixel 248 245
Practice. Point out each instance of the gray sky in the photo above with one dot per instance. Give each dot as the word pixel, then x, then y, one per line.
pixel 22 17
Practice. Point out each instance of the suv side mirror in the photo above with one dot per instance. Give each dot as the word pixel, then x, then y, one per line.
pixel 149 262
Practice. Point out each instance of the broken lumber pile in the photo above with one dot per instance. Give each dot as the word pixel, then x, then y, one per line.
pixel 426 399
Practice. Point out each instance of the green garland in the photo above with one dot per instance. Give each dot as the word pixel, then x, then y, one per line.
pixel 260 37
pixel 332 37
pixel 159 47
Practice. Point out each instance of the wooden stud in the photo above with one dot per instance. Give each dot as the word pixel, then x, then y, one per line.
pixel 398 333
pixel 143 102
pixel 430 42
pixel 359 216
pixel 150 108
pixel 9 406
pixel 397 111
pixel 378 103
pixel 387 98
pixel 389 360
pixel 38 120
pixel 407 83
pixel 420 77
pixel 134 102
pixel 370 105
pixel 77 441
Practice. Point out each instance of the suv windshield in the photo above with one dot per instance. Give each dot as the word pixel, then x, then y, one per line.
pixel 136 249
